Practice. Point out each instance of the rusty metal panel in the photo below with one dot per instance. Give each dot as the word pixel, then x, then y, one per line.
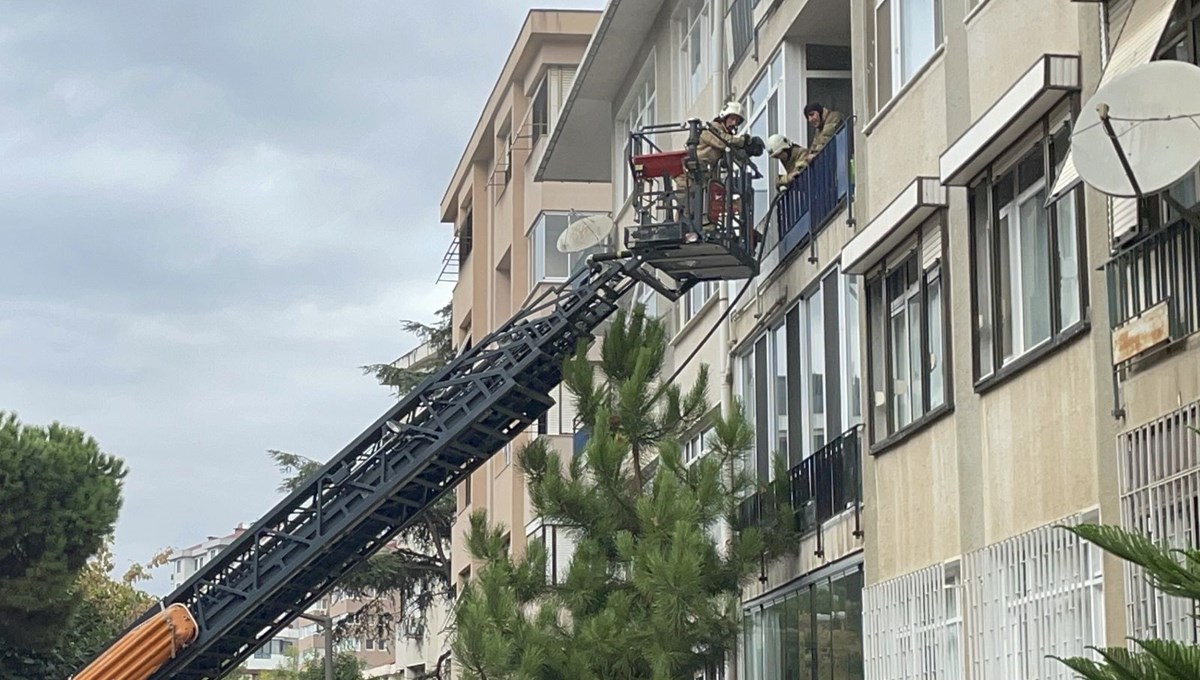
pixel 1144 332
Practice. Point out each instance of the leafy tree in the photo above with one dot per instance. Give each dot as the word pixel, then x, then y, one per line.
pixel 651 592
pixel 59 499
pixel 1173 572
pixel 105 607
pixel 403 584
pixel 346 666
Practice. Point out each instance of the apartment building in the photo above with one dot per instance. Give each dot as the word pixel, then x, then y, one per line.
pixel 506 228
pixel 956 344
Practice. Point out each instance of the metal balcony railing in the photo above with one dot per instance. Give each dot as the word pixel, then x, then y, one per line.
pixel 813 198
pixel 1163 267
pixel 819 488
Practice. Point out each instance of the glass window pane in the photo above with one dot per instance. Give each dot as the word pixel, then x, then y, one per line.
pixel 1006 283
pixel 982 235
pixel 824 606
pixel 1035 271
pixel 1068 261
pixel 853 378
pixel 935 334
pixel 556 262
pixel 827 57
pixel 915 379
pixel 901 407
pixel 779 371
pixel 816 372
pixel 789 640
pixel 917 40
pixel 848 657
pixel 877 336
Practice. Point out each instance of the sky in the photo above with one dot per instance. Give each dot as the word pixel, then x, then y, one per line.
pixel 211 215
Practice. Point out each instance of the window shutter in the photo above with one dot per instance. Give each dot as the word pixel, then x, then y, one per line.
pixel 560 79
pixel 1123 215
pixel 566 406
pixel 931 243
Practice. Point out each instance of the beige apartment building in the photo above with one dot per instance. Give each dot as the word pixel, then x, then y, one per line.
pixel 505 231
pixel 956 344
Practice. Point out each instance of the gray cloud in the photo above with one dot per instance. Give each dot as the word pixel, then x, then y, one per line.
pixel 211 217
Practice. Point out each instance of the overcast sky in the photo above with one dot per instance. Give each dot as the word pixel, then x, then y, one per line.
pixel 212 214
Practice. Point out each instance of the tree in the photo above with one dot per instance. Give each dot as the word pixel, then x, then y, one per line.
pixel 416 573
pixel 105 607
pixel 651 591
pixel 59 499
pixel 1173 572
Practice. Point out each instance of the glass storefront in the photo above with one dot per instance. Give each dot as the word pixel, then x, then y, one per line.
pixel 808 632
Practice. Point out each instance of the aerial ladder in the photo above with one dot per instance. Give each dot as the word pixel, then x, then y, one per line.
pixel 445 428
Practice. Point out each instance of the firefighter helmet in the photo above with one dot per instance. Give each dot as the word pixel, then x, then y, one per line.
pixel 777 143
pixel 732 109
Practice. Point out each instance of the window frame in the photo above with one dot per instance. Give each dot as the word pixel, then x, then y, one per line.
pixel 694 301
pixel 535 238
pixel 1039 137
pixel 695 15
pixel 644 91
pixel 894 73
pixel 911 254
pixel 773 78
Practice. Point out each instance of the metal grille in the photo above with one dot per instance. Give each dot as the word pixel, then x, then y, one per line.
pixel 1160 497
pixel 1033 595
pixel 913 626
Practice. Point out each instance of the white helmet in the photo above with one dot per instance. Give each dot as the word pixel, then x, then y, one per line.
pixel 732 109
pixel 777 143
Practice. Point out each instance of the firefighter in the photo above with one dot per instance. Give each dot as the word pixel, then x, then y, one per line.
pixel 716 137
pixel 792 156
pixel 826 121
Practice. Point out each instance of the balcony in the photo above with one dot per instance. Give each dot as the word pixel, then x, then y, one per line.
pixel 813 198
pixel 819 488
pixel 1154 292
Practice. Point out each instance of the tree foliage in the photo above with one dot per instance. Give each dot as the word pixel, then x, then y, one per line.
pixel 652 590
pixel 1174 572
pixel 59 499
pixel 402 584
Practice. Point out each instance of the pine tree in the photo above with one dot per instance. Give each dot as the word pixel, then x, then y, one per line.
pixel 1173 572
pixel 652 591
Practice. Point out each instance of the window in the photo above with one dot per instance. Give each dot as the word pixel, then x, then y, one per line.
pixel 637 113
pixel 546 262
pixel 548 100
pixel 1028 262
pixel 695 28
pixel 794 381
pixel 696 447
pixel 764 106
pixel 907 334
pixel 907 33
pixel 691 303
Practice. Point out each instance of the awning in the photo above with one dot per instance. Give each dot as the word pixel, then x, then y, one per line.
pixel 1034 94
pixel 1134 46
pixel 895 223
pixel 580 148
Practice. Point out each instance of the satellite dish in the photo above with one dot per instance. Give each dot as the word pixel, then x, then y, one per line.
pixel 585 233
pixel 1154 110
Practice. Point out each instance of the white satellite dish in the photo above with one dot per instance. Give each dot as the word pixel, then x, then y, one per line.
pixel 1154 110
pixel 585 233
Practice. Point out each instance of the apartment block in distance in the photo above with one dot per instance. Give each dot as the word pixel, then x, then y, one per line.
pixel 506 228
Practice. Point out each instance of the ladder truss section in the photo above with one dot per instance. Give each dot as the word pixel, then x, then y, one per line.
pixel 416 452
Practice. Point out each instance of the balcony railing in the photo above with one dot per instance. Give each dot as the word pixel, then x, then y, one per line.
pixel 819 488
pixel 741 23
pixel 1161 269
pixel 813 198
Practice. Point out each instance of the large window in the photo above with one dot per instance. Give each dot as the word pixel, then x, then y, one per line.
pixel 907 33
pixel 1028 263
pixel 695 28
pixel 764 106
pixel 799 387
pixel 907 334
pixel 548 100
pixel 639 111
pixel 545 261
pixel 813 631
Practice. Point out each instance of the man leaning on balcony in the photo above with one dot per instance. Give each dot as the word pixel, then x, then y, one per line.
pixel 792 156
pixel 826 121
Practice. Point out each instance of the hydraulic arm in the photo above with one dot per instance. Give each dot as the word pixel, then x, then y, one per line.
pixel 416 452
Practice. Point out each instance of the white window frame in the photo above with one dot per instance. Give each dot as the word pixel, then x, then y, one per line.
pixel 774 77
pixel 896 57
pixel 693 302
pixel 696 446
pixel 695 35
pixel 638 110
pixel 1010 214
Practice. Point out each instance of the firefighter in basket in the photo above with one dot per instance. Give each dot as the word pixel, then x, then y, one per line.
pixel 716 138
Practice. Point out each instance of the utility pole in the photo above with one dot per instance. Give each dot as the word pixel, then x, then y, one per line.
pixel 327 623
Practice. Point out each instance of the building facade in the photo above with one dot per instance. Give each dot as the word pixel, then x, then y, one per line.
pixel 506 227
pixel 956 345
